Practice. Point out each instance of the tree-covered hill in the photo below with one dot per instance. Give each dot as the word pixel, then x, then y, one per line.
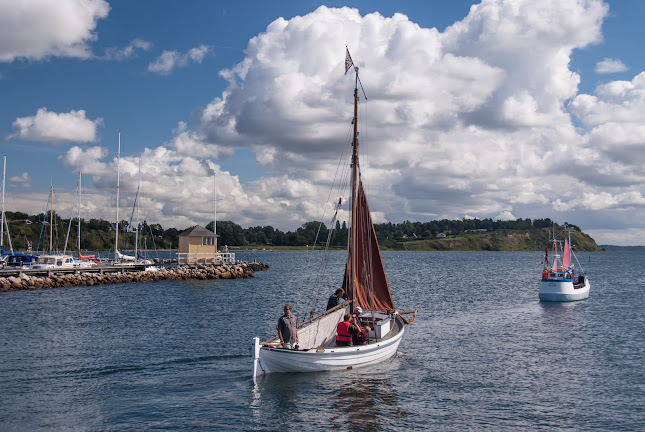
pixel 466 234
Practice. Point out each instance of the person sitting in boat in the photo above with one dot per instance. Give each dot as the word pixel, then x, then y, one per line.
pixel 336 298
pixel 362 337
pixel 288 329
pixel 344 331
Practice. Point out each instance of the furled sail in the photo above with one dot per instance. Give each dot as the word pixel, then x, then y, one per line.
pixel 370 289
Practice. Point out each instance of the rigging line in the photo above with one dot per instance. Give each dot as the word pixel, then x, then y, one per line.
pixel 338 183
pixel 365 142
pixel 69 227
pixel 340 167
pixel 339 164
pixel 42 225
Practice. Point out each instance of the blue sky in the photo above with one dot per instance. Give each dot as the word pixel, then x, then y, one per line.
pixel 501 111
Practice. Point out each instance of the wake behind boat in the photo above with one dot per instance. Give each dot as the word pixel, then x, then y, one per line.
pixel 366 286
pixel 561 280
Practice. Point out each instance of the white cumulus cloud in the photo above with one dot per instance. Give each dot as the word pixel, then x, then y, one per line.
pixel 607 66
pixel 47 126
pixel 483 119
pixel 448 113
pixel 38 29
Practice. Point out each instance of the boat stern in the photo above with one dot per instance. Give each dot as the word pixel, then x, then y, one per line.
pixel 562 291
pixel 256 357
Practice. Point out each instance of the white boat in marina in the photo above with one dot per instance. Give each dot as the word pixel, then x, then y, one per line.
pixel 366 285
pixel 52 262
pixel 561 280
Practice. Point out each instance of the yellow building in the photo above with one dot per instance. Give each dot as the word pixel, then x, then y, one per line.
pixel 197 245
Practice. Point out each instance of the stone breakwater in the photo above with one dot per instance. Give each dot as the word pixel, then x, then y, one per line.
pixel 238 270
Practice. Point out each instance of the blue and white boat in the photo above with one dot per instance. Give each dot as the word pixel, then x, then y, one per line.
pixel 561 280
pixel 17 259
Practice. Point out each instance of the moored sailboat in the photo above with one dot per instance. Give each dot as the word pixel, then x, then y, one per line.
pixel 82 260
pixel 10 258
pixel 366 285
pixel 561 280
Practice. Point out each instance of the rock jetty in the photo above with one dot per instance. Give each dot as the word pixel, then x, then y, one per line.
pixel 239 270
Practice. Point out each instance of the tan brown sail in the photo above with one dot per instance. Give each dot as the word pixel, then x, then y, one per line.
pixel 369 289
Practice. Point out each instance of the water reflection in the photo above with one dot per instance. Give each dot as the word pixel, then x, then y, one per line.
pixel 366 404
pixel 356 401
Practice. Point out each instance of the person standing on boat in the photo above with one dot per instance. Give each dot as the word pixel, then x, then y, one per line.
pixel 288 329
pixel 336 298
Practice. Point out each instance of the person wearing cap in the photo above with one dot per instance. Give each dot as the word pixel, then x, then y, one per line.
pixel 288 329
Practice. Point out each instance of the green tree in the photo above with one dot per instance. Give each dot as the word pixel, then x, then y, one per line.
pixel 230 234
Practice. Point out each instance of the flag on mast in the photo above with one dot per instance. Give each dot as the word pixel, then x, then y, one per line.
pixel 348 61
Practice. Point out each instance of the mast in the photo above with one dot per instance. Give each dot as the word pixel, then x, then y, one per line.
pixel 215 210
pixel 3 222
pixel 4 170
pixel 51 219
pixel 116 226
pixel 354 234
pixel 78 240
pixel 136 233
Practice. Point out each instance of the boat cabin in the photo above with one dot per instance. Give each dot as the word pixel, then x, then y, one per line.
pixel 20 259
pixel 54 261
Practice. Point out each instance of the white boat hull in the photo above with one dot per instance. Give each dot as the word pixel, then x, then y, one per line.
pixel 562 290
pixel 278 360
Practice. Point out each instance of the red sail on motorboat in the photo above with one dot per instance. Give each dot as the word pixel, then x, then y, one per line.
pixel 566 256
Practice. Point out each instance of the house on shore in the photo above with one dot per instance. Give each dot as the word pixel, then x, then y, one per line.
pixel 198 245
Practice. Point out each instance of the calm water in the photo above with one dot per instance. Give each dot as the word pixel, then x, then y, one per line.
pixel 483 353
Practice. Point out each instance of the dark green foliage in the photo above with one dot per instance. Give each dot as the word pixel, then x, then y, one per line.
pixel 465 234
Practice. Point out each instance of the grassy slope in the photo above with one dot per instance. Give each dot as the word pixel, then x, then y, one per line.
pixel 501 240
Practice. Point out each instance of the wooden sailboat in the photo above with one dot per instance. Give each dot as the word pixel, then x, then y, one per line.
pixel 365 283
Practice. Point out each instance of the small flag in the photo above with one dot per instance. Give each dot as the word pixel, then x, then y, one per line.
pixel 348 61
